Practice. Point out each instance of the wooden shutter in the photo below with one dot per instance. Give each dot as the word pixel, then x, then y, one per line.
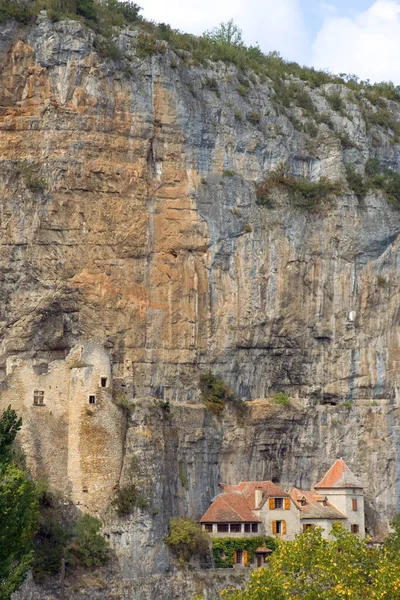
pixel 354 503
pixel 271 503
pixel 234 557
pixel 284 527
pixel 273 527
pixel 245 557
pixel 287 503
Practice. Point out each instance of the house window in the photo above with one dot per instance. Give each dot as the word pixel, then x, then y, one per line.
pixel 254 527
pixel 92 399
pixel 355 529
pixel 239 557
pixel 103 382
pixel 307 526
pixel 38 398
pixel 235 527
pixel 278 527
pixel 354 503
pixel 222 527
pixel 208 527
pixel 247 527
pixel 279 503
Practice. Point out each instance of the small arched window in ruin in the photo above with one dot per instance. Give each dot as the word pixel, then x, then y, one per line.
pixel 38 398
pixel 103 382
pixel 92 399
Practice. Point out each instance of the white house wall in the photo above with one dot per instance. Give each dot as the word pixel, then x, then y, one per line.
pixel 292 518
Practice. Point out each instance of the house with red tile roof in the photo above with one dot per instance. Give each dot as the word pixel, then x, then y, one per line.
pixel 261 508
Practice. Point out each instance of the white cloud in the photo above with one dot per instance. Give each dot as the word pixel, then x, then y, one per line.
pixel 367 44
pixel 275 25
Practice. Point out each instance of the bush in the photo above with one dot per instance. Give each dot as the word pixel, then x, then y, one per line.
pixel 88 547
pixel 127 498
pixel 355 180
pixel 336 102
pixel 281 398
pixel 302 193
pixel 215 393
pixel 186 539
pixel 254 117
pixel 211 84
pixel 20 10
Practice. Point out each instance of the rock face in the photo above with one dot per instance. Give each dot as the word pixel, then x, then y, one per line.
pixel 133 250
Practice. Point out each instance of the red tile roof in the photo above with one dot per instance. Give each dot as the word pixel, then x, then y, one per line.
pixel 237 502
pixel 314 507
pixel 339 476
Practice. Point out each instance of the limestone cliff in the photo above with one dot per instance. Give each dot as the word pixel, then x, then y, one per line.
pixel 133 250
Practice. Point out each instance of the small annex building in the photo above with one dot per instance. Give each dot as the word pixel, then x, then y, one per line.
pixel 262 508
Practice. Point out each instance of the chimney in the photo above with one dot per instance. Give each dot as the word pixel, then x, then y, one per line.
pixel 258 497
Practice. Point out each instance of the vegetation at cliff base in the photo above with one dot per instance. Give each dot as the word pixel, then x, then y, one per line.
pixel 186 539
pixel 63 532
pixel 338 568
pixel 19 510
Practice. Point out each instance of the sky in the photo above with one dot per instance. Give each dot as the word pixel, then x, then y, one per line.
pixel 359 37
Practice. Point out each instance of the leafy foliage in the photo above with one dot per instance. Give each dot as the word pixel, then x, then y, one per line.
pixel 186 539
pixel 88 547
pixel 227 33
pixel 10 424
pixel 63 533
pixel 302 193
pixel 224 548
pixel 127 498
pixel 19 512
pixel 311 568
pixel 215 393
pixel 375 178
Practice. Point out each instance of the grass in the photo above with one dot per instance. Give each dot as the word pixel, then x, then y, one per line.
pixel 281 398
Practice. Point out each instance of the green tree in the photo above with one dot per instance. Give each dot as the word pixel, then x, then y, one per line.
pixel 10 424
pixel 19 512
pixel 186 539
pixel 88 547
pixel 314 568
pixel 226 33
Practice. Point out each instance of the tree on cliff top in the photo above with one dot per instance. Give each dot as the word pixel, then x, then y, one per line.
pixel 19 512
pixel 225 33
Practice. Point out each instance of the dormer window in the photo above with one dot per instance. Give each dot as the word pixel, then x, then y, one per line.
pixel 325 501
pixel 38 398
pixel 303 501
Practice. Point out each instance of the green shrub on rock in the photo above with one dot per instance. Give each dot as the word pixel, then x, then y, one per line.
pixel 215 393
pixel 186 539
